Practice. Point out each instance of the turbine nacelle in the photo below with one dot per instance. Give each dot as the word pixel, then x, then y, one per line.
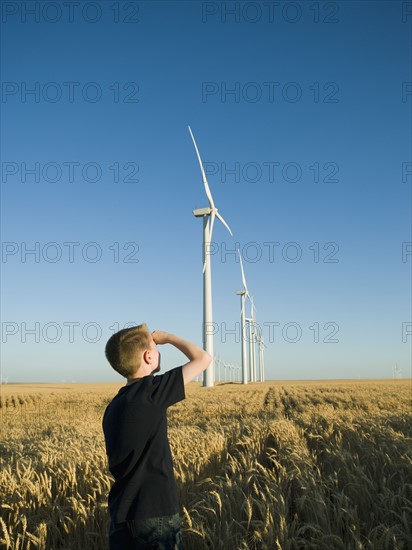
pixel 202 212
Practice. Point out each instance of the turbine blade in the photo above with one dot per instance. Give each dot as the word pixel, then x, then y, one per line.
pixel 224 223
pixel 205 183
pixel 243 273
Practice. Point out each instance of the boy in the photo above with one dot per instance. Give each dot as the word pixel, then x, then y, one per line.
pixel 143 503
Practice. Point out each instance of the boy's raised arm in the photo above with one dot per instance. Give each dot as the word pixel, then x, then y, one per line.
pixel 199 359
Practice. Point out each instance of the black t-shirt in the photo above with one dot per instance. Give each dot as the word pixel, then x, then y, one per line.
pixel 138 451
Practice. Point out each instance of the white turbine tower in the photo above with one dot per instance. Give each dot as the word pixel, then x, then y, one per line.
pixel 243 295
pixel 208 214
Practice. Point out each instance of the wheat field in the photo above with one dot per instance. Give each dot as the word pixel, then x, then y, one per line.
pixel 274 465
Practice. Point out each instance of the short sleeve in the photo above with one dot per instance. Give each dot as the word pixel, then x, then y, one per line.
pixel 168 389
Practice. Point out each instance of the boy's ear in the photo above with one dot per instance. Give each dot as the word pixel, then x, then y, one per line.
pixel 146 356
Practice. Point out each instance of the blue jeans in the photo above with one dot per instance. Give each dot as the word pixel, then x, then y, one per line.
pixel 160 533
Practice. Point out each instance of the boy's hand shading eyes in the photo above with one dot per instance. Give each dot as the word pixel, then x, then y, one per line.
pixel 160 337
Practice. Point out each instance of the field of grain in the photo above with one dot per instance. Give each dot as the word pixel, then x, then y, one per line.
pixel 274 465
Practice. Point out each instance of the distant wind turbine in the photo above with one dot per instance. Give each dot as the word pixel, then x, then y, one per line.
pixel 250 338
pixel 261 359
pixel 243 295
pixel 208 214
pixel 397 372
pixel 253 340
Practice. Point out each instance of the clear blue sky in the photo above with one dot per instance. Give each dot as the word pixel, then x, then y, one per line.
pixel 302 114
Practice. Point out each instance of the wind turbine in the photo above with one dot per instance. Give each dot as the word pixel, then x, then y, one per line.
pixel 397 372
pixel 250 337
pixel 243 295
pixel 253 341
pixel 208 214
pixel 261 359
pixel 218 364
